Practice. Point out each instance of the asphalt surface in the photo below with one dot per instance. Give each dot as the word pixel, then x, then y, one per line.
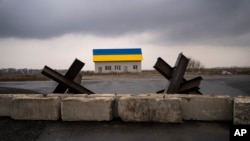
pixel 232 85
pixel 117 130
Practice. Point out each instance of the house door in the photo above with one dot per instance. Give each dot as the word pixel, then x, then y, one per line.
pixel 125 68
pixel 99 69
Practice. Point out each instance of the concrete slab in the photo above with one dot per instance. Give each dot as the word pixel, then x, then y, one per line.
pixel 66 95
pixel 115 105
pixel 5 102
pixel 87 109
pixel 150 109
pixel 152 95
pixel 202 107
pixel 109 95
pixel 207 107
pixel 242 110
pixel 22 95
pixel 35 108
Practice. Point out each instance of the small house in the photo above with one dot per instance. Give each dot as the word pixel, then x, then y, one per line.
pixel 117 60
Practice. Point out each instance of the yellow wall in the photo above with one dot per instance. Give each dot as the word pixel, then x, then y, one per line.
pixel 100 58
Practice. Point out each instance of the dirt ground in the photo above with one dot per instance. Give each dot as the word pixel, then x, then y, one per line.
pixel 19 130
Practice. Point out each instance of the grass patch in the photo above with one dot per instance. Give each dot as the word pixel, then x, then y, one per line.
pixel 22 77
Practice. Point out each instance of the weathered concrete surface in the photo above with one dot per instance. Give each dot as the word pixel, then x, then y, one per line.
pixel 207 108
pixel 115 105
pixel 109 95
pixel 150 109
pixel 35 108
pixel 87 109
pixel 242 110
pixel 202 107
pixel 66 95
pixel 5 102
pixel 193 107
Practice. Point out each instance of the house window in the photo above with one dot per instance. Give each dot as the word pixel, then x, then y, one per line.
pixel 107 67
pixel 117 67
pixel 135 67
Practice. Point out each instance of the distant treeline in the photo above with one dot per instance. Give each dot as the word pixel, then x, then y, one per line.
pixel 23 71
pixel 223 71
pixel 190 70
pixel 35 74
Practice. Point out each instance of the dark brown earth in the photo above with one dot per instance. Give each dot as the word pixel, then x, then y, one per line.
pixel 5 90
pixel 19 130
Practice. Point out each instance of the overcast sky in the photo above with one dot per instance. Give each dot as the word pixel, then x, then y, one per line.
pixel 34 33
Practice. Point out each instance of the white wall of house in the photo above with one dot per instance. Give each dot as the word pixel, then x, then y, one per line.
pixel 107 67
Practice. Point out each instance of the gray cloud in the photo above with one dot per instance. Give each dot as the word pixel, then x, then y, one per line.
pixel 223 22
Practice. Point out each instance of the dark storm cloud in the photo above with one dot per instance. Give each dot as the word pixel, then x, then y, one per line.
pixel 219 21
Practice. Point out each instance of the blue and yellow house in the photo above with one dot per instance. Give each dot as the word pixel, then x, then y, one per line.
pixel 117 60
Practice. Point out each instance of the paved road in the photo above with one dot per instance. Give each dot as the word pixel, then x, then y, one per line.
pixel 117 130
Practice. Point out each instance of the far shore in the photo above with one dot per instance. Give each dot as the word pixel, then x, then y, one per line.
pixel 145 74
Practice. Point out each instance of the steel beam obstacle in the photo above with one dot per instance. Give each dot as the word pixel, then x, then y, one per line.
pixel 177 83
pixel 70 81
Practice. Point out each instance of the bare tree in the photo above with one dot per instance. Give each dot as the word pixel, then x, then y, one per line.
pixel 194 65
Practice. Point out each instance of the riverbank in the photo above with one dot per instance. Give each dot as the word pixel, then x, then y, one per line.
pixel 6 90
pixel 22 77
pixel 91 75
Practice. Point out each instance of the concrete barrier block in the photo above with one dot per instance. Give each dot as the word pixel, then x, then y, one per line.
pixel 152 95
pixel 115 105
pixel 87 109
pixel 207 108
pixel 150 109
pixel 35 108
pixel 66 95
pixel 202 107
pixel 5 104
pixel 242 110
pixel 109 95
pixel 22 95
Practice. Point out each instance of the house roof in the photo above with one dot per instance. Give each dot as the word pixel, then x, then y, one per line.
pixel 113 55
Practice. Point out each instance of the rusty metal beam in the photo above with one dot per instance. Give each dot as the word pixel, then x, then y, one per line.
pixel 178 84
pixel 190 84
pixel 78 78
pixel 195 92
pixel 71 74
pixel 163 67
pixel 160 91
pixel 73 86
pixel 178 73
